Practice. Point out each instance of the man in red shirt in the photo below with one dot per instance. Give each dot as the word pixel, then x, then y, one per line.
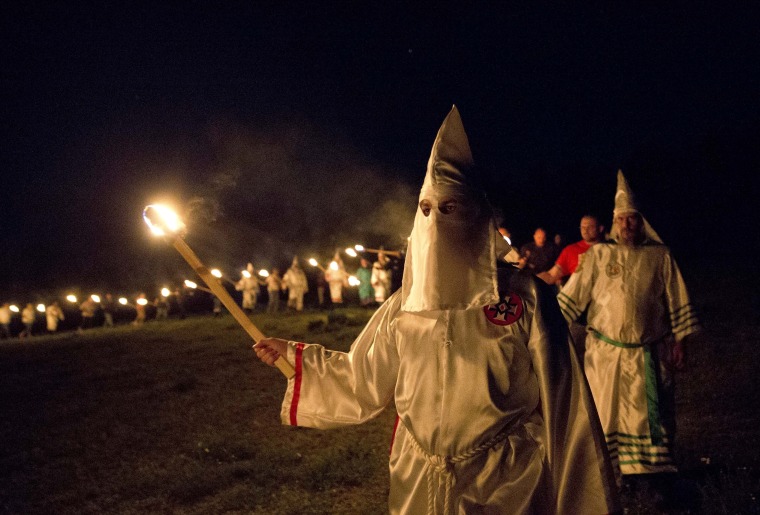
pixel 567 262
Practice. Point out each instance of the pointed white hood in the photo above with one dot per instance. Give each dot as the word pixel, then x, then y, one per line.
pixel 625 202
pixel 451 259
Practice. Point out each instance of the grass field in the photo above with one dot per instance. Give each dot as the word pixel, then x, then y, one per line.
pixel 177 417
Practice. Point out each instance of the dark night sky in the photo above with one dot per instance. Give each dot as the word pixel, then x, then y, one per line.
pixel 292 128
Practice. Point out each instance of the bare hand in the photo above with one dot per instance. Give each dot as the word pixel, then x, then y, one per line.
pixel 269 349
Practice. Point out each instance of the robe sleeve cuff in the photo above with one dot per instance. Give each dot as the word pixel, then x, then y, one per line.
pixel 289 411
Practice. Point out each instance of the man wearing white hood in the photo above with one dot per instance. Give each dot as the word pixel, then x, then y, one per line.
pixel 639 314
pixel 297 285
pixel 494 415
pixel 249 285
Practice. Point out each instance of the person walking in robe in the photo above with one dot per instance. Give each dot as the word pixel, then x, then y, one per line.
pixel 494 415
pixel 249 285
pixel 53 315
pixel 140 313
pixel 639 316
pixel 381 278
pixel 337 279
pixel 295 282
pixel 5 320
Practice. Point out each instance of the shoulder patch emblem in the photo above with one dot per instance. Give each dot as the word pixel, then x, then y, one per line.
pixel 506 312
pixel 613 270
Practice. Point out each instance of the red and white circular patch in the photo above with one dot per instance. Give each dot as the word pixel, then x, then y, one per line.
pixel 506 312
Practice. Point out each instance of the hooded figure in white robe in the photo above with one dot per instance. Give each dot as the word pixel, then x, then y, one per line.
pixel 249 285
pixel 494 415
pixel 53 315
pixel 295 281
pixel 337 278
pixel 381 278
pixel 639 313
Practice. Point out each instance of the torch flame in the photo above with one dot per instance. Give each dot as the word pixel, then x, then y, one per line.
pixel 95 298
pixel 334 265
pixel 14 308
pixel 313 262
pixel 216 273
pixel 190 284
pixel 41 308
pixel 351 252
pixel 142 301
pixel 162 220
pixel 165 292
pixel 359 248
pixel 123 301
pixel 353 281
pixel 71 298
pixel 246 274
pixel 263 273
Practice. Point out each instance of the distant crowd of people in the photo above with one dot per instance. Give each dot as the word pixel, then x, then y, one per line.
pixel 374 281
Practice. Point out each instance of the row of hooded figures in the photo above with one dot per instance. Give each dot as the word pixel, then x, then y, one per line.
pixel 374 283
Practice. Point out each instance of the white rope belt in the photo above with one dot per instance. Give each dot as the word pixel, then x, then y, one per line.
pixel 440 469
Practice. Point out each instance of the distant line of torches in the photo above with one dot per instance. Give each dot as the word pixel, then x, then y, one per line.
pixel 95 298
pixel 165 292
pixel 164 222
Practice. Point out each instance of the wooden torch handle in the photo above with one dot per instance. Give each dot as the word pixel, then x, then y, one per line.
pixel 217 289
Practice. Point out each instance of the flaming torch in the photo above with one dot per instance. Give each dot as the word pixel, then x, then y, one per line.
pixel 162 221
pixel 362 248
pixel 314 262
pixel 194 286
pixel 218 274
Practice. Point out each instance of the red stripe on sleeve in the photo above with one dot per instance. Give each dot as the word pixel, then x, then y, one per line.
pixel 297 385
pixel 393 436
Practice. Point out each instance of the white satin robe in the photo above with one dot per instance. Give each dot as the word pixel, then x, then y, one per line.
pixel 381 282
pixel 297 285
pixel 250 288
pixel 637 304
pixel 494 417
